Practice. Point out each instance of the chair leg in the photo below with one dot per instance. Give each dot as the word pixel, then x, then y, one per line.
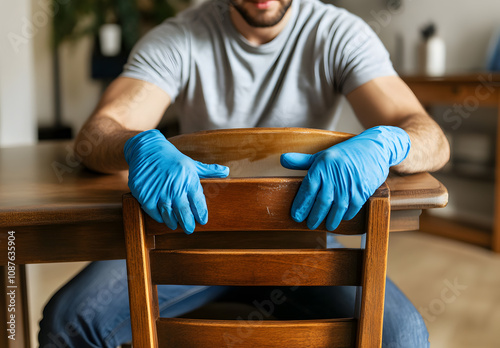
pixel 142 294
pixel 374 274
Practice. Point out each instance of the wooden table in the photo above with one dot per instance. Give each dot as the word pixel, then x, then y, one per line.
pixel 468 92
pixel 62 212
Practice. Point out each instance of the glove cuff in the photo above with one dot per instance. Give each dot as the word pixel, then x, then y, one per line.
pixel 139 139
pixel 394 140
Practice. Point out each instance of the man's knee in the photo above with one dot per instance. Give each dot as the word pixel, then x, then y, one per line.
pixel 58 326
pixel 411 332
pixel 82 312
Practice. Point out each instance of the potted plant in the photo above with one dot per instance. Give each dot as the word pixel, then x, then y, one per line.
pixel 77 18
pixel 128 20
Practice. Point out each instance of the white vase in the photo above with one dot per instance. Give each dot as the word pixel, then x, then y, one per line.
pixel 110 38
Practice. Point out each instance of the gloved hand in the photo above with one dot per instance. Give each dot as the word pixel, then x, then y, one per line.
pixel 341 178
pixel 166 182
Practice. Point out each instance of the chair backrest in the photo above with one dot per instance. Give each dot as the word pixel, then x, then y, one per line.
pixel 243 244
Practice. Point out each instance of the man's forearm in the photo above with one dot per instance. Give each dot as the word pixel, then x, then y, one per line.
pixel 100 144
pixel 430 149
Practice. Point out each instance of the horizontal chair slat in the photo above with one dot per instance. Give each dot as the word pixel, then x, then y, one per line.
pixel 254 204
pixel 240 267
pixel 242 240
pixel 253 332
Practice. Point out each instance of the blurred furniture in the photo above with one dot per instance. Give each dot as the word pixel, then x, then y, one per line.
pixel 251 240
pixel 61 212
pixel 469 92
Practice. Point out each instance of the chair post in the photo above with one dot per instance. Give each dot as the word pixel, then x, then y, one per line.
pixel 374 270
pixel 141 292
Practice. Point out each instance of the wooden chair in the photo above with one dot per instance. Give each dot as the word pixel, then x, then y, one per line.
pixel 251 240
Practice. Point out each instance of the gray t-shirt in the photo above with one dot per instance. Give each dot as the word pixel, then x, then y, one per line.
pixel 217 79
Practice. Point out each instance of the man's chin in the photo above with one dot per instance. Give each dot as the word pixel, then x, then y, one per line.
pixel 261 19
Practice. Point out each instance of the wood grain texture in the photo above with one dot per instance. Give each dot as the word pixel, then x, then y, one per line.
pixel 84 241
pixel 45 184
pixel 242 240
pixel 336 333
pixel 263 267
pixel 270 199
pixel 79 218
pixel 417 192
pixel 67 213
pixel 405 220
pixel 374 273
pixel 33 192
pixel 143 298
pixel 257 267
pixel 255 152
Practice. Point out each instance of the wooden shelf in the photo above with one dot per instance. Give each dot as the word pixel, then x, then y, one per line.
pixel 457 230
pixel 488 175
pixel 484 90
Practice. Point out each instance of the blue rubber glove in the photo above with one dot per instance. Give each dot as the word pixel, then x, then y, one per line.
pixel 341 178
pixel 166 182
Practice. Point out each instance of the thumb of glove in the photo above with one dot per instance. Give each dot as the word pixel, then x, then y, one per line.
pixel 211 170
pixel 300 161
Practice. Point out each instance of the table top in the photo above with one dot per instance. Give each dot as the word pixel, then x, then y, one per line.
pixel 45 184
pixel 62 212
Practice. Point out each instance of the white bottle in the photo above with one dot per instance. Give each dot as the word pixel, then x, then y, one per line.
pixel 110 37
pixel 432 53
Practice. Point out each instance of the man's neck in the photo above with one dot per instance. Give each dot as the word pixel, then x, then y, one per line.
pixel 258 36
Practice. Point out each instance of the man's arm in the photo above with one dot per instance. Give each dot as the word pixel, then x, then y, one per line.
pixel 164 181
pixel 128 107
pixel 389 101
pixel 341 178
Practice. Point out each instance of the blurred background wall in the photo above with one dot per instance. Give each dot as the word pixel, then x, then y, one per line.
pixel 17 105
pixel 466 27
pixel 79 93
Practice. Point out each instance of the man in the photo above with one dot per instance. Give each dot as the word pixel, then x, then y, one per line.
pixel 248 64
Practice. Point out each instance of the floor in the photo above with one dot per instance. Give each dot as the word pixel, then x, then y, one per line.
pixel 455 286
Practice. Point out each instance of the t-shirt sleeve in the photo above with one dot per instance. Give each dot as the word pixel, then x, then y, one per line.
pixel 356 54
pixel 159 58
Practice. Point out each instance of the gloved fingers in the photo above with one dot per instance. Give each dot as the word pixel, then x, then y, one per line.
pixel 211 170
pixel 183 213
pixel 198 203
pixel 354 208
pixel 304 200
pixel 293 160
pixel 337 212
pixel 321 206
pixel 154 213
pixel 167 214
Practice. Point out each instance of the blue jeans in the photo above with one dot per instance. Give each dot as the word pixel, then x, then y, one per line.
pixel 92 310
